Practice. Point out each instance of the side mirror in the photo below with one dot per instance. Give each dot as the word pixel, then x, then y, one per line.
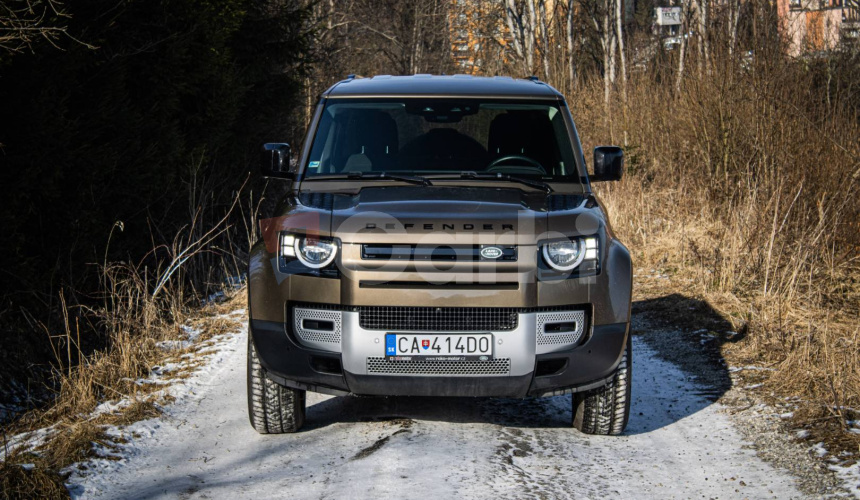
pixel 275 160
pixel 608 163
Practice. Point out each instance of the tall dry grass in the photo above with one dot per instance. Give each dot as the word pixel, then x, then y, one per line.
pixel 140 306
pixel 745 185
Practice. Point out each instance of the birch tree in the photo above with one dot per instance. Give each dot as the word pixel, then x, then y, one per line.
pixel 608 44
pixel 544 37
pixel 622 63
pixel 522 29
pixel 682 50
pixel 619 35
pixel 701 7
pixel 734 18
pixel 571 65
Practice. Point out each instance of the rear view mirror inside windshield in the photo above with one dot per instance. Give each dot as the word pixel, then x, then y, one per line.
pixel 443 111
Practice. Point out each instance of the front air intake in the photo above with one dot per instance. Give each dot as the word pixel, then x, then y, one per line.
pixel 318 329
pixel 438 319
pixel 559 330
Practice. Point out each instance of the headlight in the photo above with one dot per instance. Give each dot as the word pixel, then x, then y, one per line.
pixel 312 251
pixel 565 255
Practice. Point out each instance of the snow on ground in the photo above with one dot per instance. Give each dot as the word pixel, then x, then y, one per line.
pixel 678 445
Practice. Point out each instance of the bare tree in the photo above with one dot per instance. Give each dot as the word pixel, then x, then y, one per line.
pixel 608 43
pixel 701 7
pixel 622 62
pixel 544 36
pixel 619 35
pixel 369 37
pixel 571 64
pixel 682 51
pixel 23 23
pixel 520 20
pixel 734 17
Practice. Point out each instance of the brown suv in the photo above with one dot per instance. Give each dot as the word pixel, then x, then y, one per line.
pixel 440 238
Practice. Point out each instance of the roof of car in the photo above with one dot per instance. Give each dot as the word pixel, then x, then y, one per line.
pixel 442 85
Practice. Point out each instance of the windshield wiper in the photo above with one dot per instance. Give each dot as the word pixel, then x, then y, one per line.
pixel 414 179
pixel 506 177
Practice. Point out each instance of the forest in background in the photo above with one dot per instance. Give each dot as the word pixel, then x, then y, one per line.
pixel 128 151
pixel 130 128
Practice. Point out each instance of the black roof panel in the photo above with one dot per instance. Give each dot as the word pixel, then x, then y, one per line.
pixel 444 85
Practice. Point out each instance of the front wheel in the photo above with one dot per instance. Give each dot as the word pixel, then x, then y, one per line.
pixel 272 408
pixel 605 411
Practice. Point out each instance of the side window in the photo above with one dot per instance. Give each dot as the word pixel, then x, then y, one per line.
pixel 318 160
pixel 564 152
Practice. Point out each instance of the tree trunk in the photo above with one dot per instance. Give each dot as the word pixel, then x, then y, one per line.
pixel 609 44
pixel 734 17
pixel 622 62
pixel 702 34
pixel 416 40
pixel 619 35
pixel 530 26
pixel 544 38
pixel 571 66
pixel 682 50
pixel 515 26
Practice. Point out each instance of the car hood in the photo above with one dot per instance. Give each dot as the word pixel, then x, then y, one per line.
pixel 436 214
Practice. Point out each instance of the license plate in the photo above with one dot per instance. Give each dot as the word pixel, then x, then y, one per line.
pixel 438 347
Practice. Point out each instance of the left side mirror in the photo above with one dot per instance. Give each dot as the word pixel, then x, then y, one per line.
pixel 275 160
pixel 608 163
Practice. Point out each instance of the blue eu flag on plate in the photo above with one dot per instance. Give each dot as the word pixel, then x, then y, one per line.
pixel 391 345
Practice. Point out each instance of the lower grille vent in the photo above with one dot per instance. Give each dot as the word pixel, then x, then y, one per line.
pixel 435 319
pixel 382 366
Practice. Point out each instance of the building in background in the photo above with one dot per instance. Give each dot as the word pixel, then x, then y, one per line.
pixel 818 25
pixel 667 25
pixel 480 42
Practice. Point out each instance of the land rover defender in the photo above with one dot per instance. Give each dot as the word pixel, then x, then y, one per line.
pixel 440 237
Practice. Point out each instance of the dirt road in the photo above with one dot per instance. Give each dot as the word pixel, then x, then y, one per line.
pixel 679 444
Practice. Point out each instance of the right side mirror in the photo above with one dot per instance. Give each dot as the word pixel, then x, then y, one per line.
pixel 275 160
pixel 608 163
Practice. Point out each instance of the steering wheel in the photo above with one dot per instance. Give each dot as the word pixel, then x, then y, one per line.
pixel 531 161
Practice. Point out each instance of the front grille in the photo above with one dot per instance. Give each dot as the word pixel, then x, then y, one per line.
pixel 437 319
pixel 382 366
pixel 434 253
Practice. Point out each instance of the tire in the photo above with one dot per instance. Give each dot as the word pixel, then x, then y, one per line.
pixel 272 408
pixel 605 411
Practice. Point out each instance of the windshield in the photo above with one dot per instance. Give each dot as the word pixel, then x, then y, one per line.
pixel 439 136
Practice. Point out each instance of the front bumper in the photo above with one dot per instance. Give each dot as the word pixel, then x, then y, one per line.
pixel 605 298
pixel 356 364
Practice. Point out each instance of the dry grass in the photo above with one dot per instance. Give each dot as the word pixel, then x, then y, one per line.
pixel 137 314
pixel 38 482
pixel 743 188
pixel 107 375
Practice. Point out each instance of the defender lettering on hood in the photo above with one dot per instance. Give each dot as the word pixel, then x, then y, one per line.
pixel 443 226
